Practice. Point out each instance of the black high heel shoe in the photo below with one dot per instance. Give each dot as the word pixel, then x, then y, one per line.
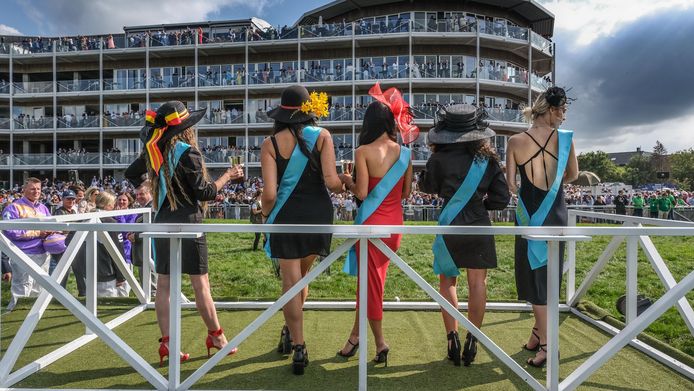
pixel 469 349
pixel 541 363
pixel 382 356
pixel 536 347
pixel 285 344
pixel 351 352
pixel 300 359
pixel 454 348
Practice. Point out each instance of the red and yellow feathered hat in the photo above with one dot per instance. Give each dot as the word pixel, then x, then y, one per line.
pixel 171 119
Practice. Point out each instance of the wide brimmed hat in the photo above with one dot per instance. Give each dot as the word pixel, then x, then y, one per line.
pixel 460 123
pixel 297 106
pixel 171 119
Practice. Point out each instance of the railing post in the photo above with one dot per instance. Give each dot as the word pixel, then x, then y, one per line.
pixel 363 331
pixel 91 273
pixel 571 261
pixel 632 271
pixel 175 313
pixel 146 276
pixel 553 272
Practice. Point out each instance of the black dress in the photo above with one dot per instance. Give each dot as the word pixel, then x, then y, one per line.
pixel 197 189
pixel 445 171
pixel 532 284
pixel 309 203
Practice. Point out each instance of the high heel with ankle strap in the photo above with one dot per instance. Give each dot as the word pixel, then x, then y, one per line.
pixel 164 351
pixel 209 343
pixel 536 347
pixel 351 352
pixel 469 350
pixel 300 359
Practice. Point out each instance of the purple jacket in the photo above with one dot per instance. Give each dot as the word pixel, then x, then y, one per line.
pixel 30 242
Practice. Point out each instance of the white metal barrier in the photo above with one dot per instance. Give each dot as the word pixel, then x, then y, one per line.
pixel 92 230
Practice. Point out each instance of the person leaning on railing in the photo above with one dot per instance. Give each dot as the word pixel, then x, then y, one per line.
pixel 545 157
pixel 464 170
pixel 298 163
pixel 180 188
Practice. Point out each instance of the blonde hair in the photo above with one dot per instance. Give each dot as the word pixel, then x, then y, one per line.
pixel 90 191
pixel 187 136
pixel 540 107
pixel 104 199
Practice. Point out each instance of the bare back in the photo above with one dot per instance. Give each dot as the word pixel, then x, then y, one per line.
pixel 535 153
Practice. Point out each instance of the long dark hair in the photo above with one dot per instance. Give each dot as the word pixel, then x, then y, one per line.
pixel 378 119
pixel 295 130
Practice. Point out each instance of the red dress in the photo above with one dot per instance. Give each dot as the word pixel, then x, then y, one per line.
pixel 388 213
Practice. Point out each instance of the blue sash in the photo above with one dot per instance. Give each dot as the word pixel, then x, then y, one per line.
pixel 374 199
pixel 443 262
pixel 537 250
pixel 174 157
pixel 291 176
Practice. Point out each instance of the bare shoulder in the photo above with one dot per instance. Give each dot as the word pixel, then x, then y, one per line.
pixel 516 140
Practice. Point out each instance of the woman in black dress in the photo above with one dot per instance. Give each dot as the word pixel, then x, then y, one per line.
pixel 534 155
pixel 460 137
pixel 308 203
pixel 180 188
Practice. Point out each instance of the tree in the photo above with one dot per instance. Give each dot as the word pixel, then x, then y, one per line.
pixel 659 157
pixel 599 163
pixel 640 171
pixel 682 168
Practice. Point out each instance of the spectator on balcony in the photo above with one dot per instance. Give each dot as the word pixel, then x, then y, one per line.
pixel 28 241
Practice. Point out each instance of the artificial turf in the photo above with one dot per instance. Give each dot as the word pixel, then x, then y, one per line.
pixel 417 359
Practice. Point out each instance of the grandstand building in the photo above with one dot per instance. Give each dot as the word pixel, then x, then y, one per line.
pixel 77 103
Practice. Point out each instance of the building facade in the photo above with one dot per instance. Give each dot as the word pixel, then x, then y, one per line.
pixel 77 103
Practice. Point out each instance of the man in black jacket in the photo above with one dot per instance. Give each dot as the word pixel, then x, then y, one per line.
pixel 143 197
pixel 78 265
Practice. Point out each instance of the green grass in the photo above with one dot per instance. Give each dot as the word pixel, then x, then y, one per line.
pixel 237 273
pixel 416 361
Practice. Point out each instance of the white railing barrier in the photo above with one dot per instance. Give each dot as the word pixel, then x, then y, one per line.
pixel 175 232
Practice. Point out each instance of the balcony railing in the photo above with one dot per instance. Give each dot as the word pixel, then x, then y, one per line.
pixel 540 82
pixel 121 120
pixel 540 42
pixel 124 84
pixel 272 77
pixel 29 123
pixel 33 87
pixel 4 159
pixel 33 159
pixel 506 115
pixel 4 87
pixel 78 85
pixel 367 28
pixel 120 157
pixel 222 118
pixel 4 123
pixel 74 158
pixel 326 30
pixel 78 122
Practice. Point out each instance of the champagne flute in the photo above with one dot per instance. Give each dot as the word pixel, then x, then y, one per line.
pixel 236 161
pixel 347 166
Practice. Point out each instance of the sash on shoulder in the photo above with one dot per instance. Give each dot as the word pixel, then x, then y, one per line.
pixel 374 199
pixel 537 249
pixel 291 176
pixel 443 262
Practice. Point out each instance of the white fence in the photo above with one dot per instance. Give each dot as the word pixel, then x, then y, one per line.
pixel 632 231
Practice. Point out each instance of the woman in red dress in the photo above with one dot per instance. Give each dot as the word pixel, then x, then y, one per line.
pixel 378 151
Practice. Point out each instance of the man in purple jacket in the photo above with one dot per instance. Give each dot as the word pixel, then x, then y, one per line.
pixel 29 241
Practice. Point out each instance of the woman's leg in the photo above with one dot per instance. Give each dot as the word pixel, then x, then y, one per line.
pixel 448 289
pixel 292 270
pixel 540 312
pixel 161 303
pixel 477 301
pixel 205 306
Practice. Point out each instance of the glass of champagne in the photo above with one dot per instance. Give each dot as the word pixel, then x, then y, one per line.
pixel 236 161
pixel 347 166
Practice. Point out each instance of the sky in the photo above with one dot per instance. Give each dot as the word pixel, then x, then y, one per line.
pixel 627 63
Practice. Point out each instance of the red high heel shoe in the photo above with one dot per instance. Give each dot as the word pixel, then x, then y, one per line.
pixel 210 344
pixel 164 351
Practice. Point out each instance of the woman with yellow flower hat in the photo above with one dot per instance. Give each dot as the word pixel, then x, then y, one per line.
pixel 298 163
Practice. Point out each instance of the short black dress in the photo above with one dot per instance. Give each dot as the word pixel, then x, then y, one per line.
pixel 532 284
pixel 190 172
pixel 309 203
pixel 445 172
